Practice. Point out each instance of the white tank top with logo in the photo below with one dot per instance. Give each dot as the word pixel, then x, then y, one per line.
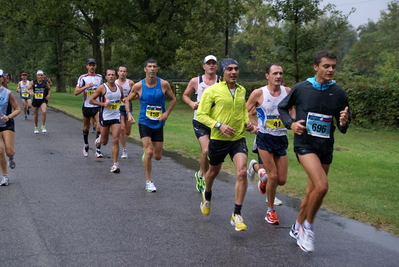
pixel 125 89
pixel 23 87
pixel 113 97
pixel 269 120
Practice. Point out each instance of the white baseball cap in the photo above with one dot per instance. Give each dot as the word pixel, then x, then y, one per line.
pixel 1 73
pixel 210 57
pixel 39 72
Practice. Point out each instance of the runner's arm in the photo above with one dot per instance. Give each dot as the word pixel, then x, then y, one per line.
pixel 191 88
pixel 168 92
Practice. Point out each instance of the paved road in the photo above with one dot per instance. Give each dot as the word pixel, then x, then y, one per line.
pixel 62 209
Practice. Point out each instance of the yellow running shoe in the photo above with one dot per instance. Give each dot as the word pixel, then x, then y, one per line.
pixel 205 205
pixel 238 222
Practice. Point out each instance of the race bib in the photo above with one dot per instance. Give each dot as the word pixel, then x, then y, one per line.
pixel 90 91
pixel 25 94
pixel 114 105
pixel 153 112
pixel 319 124
pixel 274 122
pixel 39 95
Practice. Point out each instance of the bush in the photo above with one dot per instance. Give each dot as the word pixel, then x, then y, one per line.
pixel 373 104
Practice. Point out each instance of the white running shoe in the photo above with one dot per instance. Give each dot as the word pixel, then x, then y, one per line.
pixel 124 154
pixel 294 232
pixel 36 131
pixel 305 239
pixel 150 187
pixel 115 168
pixel 4 180
pixel 85 150
pixel 250 170
pixel 44 130
pixel 277 202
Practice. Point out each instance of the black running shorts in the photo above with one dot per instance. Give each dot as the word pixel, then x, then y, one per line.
pixel 218 150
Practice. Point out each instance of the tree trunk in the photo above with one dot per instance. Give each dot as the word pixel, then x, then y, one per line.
pixel 96 45
pixel 60 78
pixel 107 51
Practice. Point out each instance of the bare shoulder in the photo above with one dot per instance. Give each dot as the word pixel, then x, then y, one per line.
pixel 165 84
pixel 192 85
pixel 100 89
pixel 194 80
pixel 257 92
pixel 137 86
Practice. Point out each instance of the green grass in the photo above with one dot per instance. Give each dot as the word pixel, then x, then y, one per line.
pixel 363 182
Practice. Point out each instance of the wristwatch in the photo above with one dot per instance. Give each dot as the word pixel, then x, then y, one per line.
pixel 218 125
pixel 9 117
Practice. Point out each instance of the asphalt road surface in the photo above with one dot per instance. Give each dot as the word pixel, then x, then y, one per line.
pixel 63 209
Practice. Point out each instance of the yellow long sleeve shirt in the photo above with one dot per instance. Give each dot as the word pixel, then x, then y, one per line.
pixel 218 105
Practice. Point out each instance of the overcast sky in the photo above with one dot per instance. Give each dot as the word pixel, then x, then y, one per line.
pixel 365 9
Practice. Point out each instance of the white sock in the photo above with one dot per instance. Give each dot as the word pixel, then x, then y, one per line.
pixel 308 225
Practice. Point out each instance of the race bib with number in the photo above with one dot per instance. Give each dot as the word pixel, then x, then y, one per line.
pixel 39 95
pixel 318 124
pixel 90 91
pixel 114 105
pixel 25 94
pixel 274 122
pixel 153 112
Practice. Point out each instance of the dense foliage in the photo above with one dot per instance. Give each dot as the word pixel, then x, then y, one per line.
pixel 59 35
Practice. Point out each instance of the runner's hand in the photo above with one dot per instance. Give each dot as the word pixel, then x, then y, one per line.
pixel 130 118
pixel 227 130
pixel 343 119
pixel 297 127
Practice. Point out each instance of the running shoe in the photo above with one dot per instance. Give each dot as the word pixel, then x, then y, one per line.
pixel 25 118
pixel 262 187
pixel 305 239
pixel 150 187
pixel 271 217
pixel 44 130
pixel 277 202
pixel 203 184
pixel 85 150
pixel 124 154
pixel 250 170
pixel 11 163
pixel 98 141
pixel 294 232
pixel 200 182
pixel 237 221
pixel 205 205
pixel 93 130
pixel 36 131
pixel 4 180
pixel 115 168
pixel 98 154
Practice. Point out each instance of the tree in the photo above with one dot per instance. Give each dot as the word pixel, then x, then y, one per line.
pixel 375 54
pixel 304 29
